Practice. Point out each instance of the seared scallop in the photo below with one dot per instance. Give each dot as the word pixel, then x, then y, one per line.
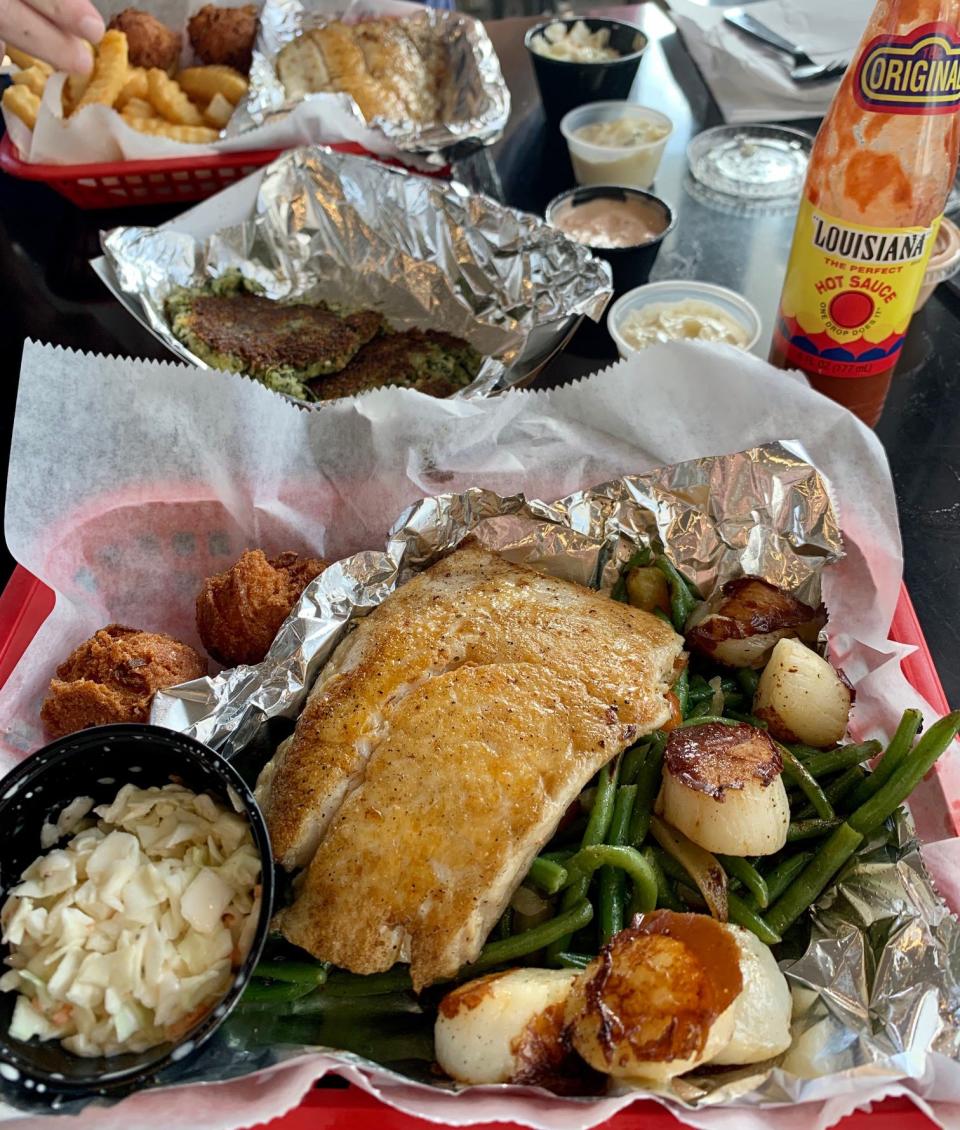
pixel 722 788
pixel 510 1028
pixel 802 698
pixel 762 1011
pixel 740 623
pixel 659 999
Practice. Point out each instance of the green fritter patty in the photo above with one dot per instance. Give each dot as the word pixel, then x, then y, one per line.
pixel 281 344
pixel 309 350
pixel 428 360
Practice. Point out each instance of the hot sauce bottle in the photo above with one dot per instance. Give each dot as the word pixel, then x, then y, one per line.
pixel 879 176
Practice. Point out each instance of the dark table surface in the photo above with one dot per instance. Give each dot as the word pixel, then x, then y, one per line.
pixel 52 295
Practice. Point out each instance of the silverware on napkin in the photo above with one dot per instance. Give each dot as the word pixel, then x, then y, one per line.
pixel 804 68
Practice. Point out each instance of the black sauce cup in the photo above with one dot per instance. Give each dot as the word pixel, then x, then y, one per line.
pixel 565 84
pixel 97 763
pixel 631 266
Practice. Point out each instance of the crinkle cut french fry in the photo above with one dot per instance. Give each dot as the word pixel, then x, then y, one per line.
pixel 202 83
pixel 32 78
pixel 109 71
pixel 75 87
pixel 218 112
pixel 170 101
pixel 191 135
pixel 139 108
pixel 21 100
pixel 24 61
pixel 134 87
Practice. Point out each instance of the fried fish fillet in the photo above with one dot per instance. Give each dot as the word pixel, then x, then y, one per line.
pixel 444 741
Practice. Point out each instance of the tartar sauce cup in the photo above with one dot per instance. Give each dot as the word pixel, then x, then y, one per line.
pixel 634 165
pixel 671 291
pixel 567 83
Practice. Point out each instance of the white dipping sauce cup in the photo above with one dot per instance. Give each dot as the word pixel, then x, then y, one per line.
pixel 632 166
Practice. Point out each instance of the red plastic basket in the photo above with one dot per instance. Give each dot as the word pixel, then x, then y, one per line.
pixel 115 184
pixel 26 602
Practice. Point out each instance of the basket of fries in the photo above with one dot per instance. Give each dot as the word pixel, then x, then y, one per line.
pixel 132 132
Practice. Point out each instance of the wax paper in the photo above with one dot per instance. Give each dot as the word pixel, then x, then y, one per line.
pixel 151 478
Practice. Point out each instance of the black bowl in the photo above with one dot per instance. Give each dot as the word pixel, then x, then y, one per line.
pixel 97 763
pixel 631 266
pixel 564 84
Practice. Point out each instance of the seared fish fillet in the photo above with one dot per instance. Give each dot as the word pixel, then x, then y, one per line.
pixel 445 739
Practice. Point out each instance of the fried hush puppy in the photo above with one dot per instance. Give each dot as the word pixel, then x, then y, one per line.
pixel 239 612
pixel 112 677
pixel 150 42
pixel 224 35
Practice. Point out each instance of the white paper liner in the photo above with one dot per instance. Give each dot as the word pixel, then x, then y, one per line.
pixel 92 432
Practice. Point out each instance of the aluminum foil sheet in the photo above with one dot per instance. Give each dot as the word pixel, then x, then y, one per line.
pixel 474 96
pixel 878 986
pixel 427 254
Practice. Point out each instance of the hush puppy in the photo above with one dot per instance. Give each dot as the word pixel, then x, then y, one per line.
pixel 112 676
pixel 150 43
pixel 240 611
pixel 224 36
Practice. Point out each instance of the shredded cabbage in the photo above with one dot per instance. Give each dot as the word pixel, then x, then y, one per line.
pixel 126 936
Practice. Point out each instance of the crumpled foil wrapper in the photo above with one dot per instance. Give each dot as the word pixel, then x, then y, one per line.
pixel 878 986
pixel 428 254
pixel 474 96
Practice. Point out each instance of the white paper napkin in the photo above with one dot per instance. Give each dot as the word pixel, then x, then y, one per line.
pixel 751 82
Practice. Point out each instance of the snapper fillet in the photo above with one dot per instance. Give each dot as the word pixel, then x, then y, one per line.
pixel 440 748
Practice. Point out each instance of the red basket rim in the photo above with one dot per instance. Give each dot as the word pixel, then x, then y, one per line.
pixel 12 163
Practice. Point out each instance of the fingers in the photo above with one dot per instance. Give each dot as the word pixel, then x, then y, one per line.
pixel 56 33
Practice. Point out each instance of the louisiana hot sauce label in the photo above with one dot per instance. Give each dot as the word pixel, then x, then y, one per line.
pixel 850 293
pixel 918 73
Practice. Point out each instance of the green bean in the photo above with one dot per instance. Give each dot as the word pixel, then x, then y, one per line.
pixel 783 875
pixel 904 779
pixel 748 679
pixel 836 791
pixel 296 972
pixel 795 772
pixel 661 615
pixel 681 688
pixel 701 865
pixel 648 785
pixel 343 984
pixel 612 885
pixel 504 927
pixel 665 895
pixel 596 832
pixel 700 690
pixel 278 993
pixel 669 865
pixel 691 898
pixel 706 720
pixel 899 747
pixel 682 600
pixel 832 854
pixel 544 936
pixel 744 915
pixel 548 875
pixel 701 710
pixel 627 859
pixel 632 762
pixel 749 719
pixel 729 686
pixel 824 762
pixel 574 960
pixel 561 855
pixel 619 590
pixel 750 877
pixel 810 829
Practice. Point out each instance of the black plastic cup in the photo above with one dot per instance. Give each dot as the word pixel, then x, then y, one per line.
pixel 565 84
pixel 631 266
pixel 97 763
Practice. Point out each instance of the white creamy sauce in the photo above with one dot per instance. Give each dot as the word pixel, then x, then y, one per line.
pixel 621 133
pixel 690 319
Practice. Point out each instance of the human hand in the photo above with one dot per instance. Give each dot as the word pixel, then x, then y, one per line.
pixel 53 30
